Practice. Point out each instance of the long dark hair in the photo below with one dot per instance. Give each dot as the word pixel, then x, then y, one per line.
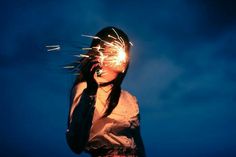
pixel 114 96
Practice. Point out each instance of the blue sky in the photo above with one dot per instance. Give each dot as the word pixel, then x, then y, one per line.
pixel 182 72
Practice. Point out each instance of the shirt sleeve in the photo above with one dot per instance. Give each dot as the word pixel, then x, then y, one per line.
pixel 80 122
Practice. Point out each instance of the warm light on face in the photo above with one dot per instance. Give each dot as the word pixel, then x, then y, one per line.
pixel 111 55
pixel 115 58
pixel 121 56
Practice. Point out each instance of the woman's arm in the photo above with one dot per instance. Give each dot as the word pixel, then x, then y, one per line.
pixel 80 122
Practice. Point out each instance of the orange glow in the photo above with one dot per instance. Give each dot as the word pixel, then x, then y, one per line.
pixel 111 54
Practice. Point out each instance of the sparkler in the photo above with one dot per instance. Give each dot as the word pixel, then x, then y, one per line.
pixel 111 54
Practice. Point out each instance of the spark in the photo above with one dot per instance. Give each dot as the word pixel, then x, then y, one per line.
pixel 120 38
pixel 53 47
pixel 90 36
pixel 116 33
pixel 111 36
pixel 131 43
pixel 82 55
pixel 87 48
pixel 97 47
pixel 69 67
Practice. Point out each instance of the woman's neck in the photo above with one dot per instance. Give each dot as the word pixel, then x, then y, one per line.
pixel 106 88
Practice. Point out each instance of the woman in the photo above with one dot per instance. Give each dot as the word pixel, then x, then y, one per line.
pixel 103 119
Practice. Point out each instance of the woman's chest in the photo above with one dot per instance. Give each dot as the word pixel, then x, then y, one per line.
pixel 120 113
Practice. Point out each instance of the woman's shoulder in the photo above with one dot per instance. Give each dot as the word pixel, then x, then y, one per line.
pixel 128 95
pixel 129 102
pixel 81 86
pixel 79 89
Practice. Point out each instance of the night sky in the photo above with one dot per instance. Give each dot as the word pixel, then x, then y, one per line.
pixel 182 72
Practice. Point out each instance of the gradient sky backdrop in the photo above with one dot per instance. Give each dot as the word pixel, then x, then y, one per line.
pixel 182 72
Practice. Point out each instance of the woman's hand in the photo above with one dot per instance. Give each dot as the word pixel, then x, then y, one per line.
pixel 88 70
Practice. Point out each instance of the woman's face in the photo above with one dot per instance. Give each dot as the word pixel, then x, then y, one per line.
pixel 112 62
